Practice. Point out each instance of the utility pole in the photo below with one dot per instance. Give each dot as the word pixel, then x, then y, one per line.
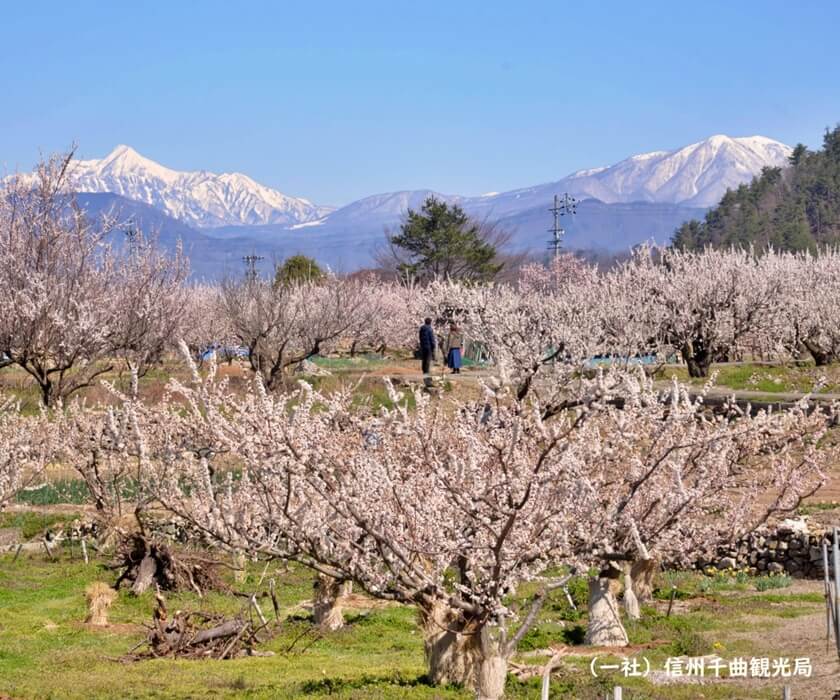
pixel 566 205
pixel 251 261
pixel 132 236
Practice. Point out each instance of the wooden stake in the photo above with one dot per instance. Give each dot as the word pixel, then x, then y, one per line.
pixel 257 608
pixel 274 603
pixel 671 601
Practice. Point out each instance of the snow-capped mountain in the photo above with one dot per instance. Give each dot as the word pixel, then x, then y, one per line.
pixel 697 175
pixel 643 197
pixel 198 198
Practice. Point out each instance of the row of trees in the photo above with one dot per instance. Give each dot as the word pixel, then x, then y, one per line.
pixel 449 506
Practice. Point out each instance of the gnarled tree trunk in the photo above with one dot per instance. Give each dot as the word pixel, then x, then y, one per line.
pixel 697 358
pixel 462 653
pixel 605 627
pixel 99 598
pixel 326 606
pixel 821 357
pixel 448 650
pixel 638 586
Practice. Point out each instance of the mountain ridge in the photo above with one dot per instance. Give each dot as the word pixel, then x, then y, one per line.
pixel 696 175
pixel 198 198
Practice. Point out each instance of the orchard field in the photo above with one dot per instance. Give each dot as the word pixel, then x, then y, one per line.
pixel 249 489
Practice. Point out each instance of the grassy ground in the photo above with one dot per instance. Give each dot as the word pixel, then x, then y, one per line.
pixel 767 378
pixel 46 651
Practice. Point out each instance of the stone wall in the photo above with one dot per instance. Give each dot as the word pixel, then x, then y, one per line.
pixel 793 547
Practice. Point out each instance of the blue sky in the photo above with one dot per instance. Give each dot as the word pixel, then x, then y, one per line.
pixel 337 100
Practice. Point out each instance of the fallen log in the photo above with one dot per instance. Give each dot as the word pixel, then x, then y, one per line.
pixel 199 635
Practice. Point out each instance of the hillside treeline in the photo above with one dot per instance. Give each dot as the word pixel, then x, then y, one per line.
pixel 794 208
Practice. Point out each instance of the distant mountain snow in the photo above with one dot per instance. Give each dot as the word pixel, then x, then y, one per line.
pixel 695 175
pixel 200 198
pixel 222 217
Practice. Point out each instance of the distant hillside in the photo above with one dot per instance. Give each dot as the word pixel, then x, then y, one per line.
pixel 791 208
pixel 210 258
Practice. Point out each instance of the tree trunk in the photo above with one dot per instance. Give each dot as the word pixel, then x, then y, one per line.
pixel 642 572
pixel 240 561
pixel 448 651
pixel 821 357
pixel 631 602
pixel 47 392
pixel 605 627
pixel 638 585
pixel 697 358
pixel 326 606
pixel 99 598
pixel 461 653
pixel 492 667
pixel 145 575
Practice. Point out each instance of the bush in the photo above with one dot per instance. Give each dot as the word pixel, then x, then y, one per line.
pixel 689 643
pixel 765 583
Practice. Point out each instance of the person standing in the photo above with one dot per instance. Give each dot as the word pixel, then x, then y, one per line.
pixel 454 348
pixel 427 345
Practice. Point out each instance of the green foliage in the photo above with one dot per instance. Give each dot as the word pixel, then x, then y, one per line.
pixel 765 583
pixel 74 491
pixel 689 643
pixel 559 605
pixel 724 581
pixel 31 524
pixel 797 208
pixel 442 241
pixel 298 269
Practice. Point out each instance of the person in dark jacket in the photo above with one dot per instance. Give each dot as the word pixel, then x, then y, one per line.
pixel 427 345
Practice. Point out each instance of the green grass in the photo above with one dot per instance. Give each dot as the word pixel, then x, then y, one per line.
pixel 378 655
pixel 811 508
pixel 73 491
pixel 767 379
pixel 32 524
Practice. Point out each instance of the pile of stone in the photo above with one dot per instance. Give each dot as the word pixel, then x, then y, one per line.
pixel 792 547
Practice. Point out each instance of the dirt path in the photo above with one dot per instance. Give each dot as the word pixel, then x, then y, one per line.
pixel 793 637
